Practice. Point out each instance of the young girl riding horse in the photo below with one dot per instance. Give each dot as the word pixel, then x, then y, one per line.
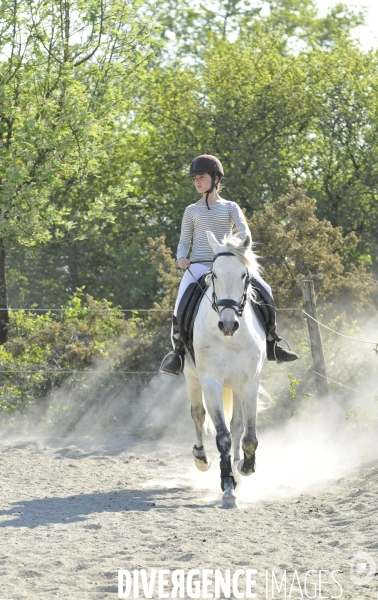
pixel 210 213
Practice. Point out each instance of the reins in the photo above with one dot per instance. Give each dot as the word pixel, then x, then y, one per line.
pixel 200 287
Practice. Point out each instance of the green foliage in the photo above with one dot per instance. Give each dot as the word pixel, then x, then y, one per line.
pixel 67 74
pixel 295 245
pixel 293 383
pixel 273 117
pixel 46 350
pixel 339 151
pixel 42 347
pixel 299 20
pixel 191 27
pixel 112 265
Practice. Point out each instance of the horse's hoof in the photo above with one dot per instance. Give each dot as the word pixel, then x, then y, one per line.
pixel 229 500
pixel 242 471
pixel 201 465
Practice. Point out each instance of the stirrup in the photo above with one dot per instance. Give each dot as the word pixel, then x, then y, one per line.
pixel 161 370
pixel 282 355
pixel 280 339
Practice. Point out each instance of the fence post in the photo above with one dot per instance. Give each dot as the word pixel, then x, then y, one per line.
pixel 315 337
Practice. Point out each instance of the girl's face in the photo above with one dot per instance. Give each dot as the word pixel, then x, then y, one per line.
pixel 202 182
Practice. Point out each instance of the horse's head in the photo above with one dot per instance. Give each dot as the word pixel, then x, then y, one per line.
pixel 230 278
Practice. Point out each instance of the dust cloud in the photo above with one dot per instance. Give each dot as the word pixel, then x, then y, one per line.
pixel 296 452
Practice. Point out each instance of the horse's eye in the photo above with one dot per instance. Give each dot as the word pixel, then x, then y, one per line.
pixel 243 276
pixel 214 276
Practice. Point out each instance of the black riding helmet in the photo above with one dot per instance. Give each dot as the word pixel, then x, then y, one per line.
pixel 206 163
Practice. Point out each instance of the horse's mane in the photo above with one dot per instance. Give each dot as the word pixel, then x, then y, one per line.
pixel 246 255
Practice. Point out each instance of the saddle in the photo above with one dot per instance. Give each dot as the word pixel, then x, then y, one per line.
pixel 188 309
pixel 264 307
pixel 262 303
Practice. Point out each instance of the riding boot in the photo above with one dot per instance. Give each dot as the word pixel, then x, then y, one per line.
pixel 176 365
pixel 277 353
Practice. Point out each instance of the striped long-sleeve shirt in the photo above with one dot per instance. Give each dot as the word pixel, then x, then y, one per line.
pixel 220 219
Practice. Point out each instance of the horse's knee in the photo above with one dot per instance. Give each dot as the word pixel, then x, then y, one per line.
pixel 248 464
pixel 249 446
pixel 224 440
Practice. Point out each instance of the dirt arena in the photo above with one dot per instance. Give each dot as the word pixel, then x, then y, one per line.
pixel 74 512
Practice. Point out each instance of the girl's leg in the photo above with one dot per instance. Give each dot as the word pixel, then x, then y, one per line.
pixel 197 270
pixel 274 351
pixel 175 365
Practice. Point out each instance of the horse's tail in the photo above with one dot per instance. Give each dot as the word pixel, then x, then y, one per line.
pixel 227 399
pixel 228 406
pixel 261 404
pixel 208 425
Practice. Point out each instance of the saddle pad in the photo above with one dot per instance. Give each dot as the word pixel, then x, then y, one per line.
pixel 187 311
pixel 264 307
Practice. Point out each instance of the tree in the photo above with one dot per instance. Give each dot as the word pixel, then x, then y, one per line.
pixel 295 244
pixel 191 27
pixel 299 21
pixel 65 72
pixel 273 116
pixel 339 150
pixel 111 263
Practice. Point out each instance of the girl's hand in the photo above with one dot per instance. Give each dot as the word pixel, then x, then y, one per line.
pixel 183 263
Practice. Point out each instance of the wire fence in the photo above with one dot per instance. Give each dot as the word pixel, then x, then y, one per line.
pixel 346 386
pixel 72 371
pixel 59 371
pixel 338 333
pixel 91 309
pixel 114 309
pixel 348 337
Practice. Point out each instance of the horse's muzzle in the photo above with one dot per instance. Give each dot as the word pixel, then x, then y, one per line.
pixel 229 326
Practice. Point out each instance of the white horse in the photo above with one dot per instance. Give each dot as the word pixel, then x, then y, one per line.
pixel 230 348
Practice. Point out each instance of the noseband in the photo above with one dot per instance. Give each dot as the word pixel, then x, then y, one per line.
pixel 238 307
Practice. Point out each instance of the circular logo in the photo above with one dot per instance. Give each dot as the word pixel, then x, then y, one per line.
pixel 362 568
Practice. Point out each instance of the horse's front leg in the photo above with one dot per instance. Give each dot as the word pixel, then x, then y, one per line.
pixel 249 442
pixel 201 459
pixel 236 428
pixel 212 390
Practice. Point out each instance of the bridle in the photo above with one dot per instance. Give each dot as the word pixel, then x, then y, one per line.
pixel 237 307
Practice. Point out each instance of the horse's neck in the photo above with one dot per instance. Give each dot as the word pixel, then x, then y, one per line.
pixel 205 307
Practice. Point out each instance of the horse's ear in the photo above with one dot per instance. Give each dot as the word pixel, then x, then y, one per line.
pixel 213 241
pixel 246 243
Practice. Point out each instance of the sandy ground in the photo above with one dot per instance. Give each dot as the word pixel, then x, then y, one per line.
pixel 72 514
